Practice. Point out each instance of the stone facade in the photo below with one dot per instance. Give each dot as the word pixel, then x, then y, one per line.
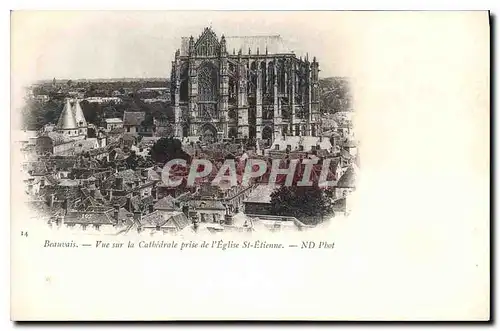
pixel 264 93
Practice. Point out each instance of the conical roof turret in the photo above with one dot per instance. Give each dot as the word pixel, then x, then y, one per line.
pixel 79 117
pixel 67 119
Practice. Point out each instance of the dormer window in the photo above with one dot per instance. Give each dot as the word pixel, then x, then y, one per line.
pixel 276 147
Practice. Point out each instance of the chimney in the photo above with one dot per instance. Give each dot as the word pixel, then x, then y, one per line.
pixel 195 224
pixel 137 216
pixel 228 219
pixel 154 193
pixel 185 210
pixel 128 205
pixel 116 212
pixel 110 194
pixel 119 183
pixel 52 199
pixel 66 206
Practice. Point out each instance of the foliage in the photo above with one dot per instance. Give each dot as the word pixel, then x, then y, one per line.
pixel 166 149
pixel 303 202
pixel 335 95
pixel 36 114
pixel 134 161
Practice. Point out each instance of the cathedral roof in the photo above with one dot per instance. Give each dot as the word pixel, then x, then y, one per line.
pixel 78 112
pixel 274 44
pixel 67 119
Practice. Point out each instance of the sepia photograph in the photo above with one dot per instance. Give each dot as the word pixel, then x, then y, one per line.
pixel 250 165
pixel 255 137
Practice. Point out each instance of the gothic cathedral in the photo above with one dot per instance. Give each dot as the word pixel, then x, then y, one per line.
pixel 262 94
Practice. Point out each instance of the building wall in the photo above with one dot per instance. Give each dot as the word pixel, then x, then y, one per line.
pixel 111 126
pixel 131 129
pixel 257 208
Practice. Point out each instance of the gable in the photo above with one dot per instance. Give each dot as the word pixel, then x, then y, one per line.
pixel 207 44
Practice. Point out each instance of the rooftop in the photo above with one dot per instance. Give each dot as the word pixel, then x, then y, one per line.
pixel 261 194
pixel 348 179
pixel 113 120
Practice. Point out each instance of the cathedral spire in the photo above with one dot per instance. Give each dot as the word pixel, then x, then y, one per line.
pixel 191 45
pixel 223 45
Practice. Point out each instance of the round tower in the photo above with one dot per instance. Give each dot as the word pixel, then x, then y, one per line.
pixel 80 118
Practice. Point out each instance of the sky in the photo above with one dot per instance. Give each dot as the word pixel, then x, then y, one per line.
pixel 141 44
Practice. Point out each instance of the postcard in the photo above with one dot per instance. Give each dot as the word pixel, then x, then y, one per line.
pixel 250 165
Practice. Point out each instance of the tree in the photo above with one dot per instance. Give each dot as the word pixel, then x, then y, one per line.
pixel 132 161
pixel 92 112
pixel 335 96
pixel 166 149
pixel 308 203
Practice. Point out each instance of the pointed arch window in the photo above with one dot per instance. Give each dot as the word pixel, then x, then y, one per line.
pixel 270 78
pixel 184 75
pixel 207 82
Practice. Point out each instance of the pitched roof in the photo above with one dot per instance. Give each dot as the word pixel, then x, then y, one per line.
pixel 348 179
pixel 133 117
pixel 67 119
pixel 78 113
pixel 153 219
pixel 179 219
pixel 207 204
pixel 153 175
pixel 57 138
pixel 274 44
pixel 167 203
pixel 261 194
pixel 139 203
pixel 97 218
pixel 113 120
